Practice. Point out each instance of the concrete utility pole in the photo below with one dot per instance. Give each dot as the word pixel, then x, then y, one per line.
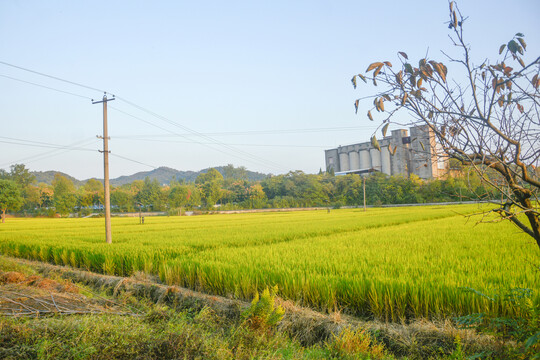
pixel 364 186
pixel 107 195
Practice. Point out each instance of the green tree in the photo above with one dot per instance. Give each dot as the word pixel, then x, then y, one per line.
pixel 21 175
pixel 179 196
pixel 150 194
pixel 93 186
pixel 64 197
pixel 46 195
pixel 232 173
pixel 122 199
pixel 486 117
pixel 24 180
pixel 210 186
pixel 10 197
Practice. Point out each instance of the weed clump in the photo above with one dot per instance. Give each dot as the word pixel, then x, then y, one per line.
pixel 353 344
pixel 263 314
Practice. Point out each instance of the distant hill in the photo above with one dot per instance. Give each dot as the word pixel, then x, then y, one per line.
pixel 164 175
pixel 48 177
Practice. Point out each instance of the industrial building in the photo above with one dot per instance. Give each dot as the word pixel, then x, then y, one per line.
pixel 417 153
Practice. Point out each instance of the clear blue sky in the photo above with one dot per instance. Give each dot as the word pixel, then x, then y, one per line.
pixel 232 69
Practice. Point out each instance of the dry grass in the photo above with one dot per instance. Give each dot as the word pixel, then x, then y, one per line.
pixel 418 339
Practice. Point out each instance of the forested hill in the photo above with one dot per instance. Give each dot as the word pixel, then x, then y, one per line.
pixel 47 177
pixel 164 175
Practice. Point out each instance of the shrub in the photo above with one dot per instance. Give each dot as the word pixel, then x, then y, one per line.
pixel 263 314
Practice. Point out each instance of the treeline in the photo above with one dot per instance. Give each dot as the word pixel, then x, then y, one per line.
pixel 232 191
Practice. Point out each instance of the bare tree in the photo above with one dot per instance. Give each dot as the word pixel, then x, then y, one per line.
pixel 486 117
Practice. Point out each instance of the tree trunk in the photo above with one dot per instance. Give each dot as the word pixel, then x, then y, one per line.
pixel 3 216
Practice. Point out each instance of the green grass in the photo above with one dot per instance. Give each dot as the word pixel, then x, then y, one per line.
pixel 391 264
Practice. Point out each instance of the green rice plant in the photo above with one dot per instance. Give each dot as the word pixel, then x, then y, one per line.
pixel 109 266
pixel 394 264
pixel 44 254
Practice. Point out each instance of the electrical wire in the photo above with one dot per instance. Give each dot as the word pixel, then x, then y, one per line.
pixel 51 153
pixel 52 77
pixel 185 128
pixel 257 161
pixel 45 87
pixel 39 144
pixel 193 142
pixel 230 148
pixel 135 161
pixel 274 132
pixel 211 140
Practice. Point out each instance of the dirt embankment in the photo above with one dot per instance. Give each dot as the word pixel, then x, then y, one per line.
pixel 308 326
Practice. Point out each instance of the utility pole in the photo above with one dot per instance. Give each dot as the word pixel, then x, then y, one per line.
pixel 364 178
pixel 107 195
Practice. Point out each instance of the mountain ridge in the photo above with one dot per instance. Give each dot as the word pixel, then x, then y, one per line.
pixel 164 175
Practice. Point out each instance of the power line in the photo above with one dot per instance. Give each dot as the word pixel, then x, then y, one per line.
pixel 46 87
pixel 208 138
pixel 51 153
pixel 213 142
pixel 273 132
pixel 40 144
pixel 185 128
pixel 52 77
pixel 193 142
pixel 249 155
pixel 135 161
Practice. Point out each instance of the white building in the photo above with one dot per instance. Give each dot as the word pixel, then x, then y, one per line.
pixel 400 154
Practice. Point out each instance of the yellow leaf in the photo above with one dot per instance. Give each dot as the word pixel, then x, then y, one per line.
pixel 399 77
pixel 375 143
pixel 385 129
pixel 369 115
pixel 377 71
pixel 388 63
pixel 521 62
pixel 373 66
pixel 404 99
pixel 381 104
pixel 440 71
pixel 419 82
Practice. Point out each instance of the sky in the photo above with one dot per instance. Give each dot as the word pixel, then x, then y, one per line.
pixel 265 85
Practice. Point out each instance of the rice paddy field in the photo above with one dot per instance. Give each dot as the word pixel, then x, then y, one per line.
pixel 392 264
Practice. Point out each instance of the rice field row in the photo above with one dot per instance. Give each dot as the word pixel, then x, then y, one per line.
pixel 391 264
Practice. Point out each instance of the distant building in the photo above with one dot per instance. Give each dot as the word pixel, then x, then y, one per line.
pixel 418 154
